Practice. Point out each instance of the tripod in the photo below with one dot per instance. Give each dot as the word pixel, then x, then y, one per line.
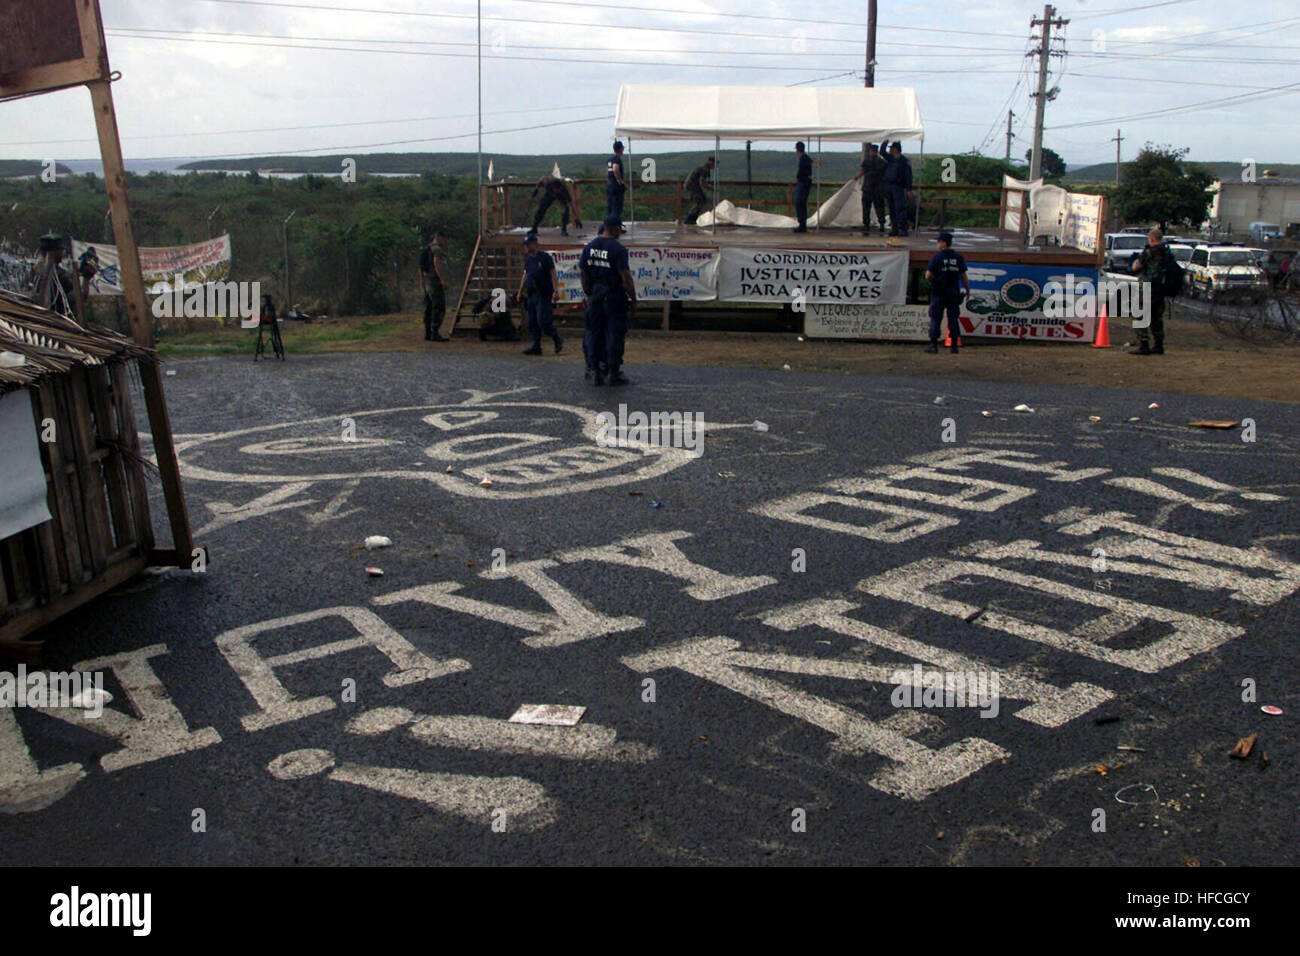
pixel 269 320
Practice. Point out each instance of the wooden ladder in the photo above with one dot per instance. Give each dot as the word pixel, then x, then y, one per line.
pixel 496 265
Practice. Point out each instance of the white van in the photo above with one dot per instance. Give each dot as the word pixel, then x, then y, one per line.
pixel 1265 231
pixel 1121 247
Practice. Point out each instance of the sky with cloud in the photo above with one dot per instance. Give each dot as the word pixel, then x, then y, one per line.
pixel 214 78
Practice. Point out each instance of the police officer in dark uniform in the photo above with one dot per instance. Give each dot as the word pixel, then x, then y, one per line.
pixel 555 190
pixel 700 179
pixel 615 183
pixel 802 186
pixel 1151 264
pixel 607 281
pixel 541 287
pixel 946 273
pixel 872 172
pixel 898 188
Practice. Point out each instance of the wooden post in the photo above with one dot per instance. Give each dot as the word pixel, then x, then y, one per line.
pixel 132 279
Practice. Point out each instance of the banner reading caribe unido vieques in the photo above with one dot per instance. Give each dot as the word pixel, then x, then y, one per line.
pixel 198 263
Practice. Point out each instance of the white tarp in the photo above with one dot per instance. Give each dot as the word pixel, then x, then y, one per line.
pixel 843 209
pixel 22 477
pixel 845 114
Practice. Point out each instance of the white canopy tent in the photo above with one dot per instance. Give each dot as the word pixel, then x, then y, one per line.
pixel 840 114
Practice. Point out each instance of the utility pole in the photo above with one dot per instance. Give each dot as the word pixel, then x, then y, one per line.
pixel 288 284
pixel 869 74
pixel 479 191
pixel 1117 140
pixel 1044 51
pixel 1010 117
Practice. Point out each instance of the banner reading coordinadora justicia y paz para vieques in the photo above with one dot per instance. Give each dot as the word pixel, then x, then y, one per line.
pixel 199 262
pixel 660 275
pixel 824 276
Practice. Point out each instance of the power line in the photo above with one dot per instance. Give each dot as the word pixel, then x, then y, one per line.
pixel 615 8
pixel 1118 10
pixel 1271 91
pixel 1158 79
pixel 142 32
pixel 395 142
pixel 285 129
pixel 494 56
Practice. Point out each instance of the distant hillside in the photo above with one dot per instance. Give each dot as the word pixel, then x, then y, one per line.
pixel 28 167
pixel 1105 172
pixel 767 164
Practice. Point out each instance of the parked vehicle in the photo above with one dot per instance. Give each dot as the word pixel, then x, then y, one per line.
pixel 1265 231
pixel 1226 271
pixel 1182 252
pixel 1122 248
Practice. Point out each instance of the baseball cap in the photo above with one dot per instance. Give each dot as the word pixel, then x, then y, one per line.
pixel 944 237
pixel 530 238
pixel 613 222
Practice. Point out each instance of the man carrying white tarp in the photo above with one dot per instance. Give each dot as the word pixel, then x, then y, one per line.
pixel 700 179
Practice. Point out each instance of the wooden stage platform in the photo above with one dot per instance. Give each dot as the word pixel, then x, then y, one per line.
pixel 987 245
pixel 498 255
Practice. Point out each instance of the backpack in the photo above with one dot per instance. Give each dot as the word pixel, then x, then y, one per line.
pixel 1171 278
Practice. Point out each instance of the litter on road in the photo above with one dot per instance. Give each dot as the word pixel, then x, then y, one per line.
pixel 1271 710
pixel 1137 794
pixel 1244 746
pixel 553 715
pixel 378 541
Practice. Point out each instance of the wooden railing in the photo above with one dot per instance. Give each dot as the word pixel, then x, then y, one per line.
pixel 510 204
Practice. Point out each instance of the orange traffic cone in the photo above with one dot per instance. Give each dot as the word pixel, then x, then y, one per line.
pixel 1102 341
pixel 947 338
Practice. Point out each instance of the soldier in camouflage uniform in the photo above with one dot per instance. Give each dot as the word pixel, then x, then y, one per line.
pixel 1150 267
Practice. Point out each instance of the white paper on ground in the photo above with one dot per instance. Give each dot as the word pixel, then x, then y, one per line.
pixel 554 715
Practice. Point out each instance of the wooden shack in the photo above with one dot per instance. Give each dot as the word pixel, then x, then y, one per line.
pixel 76 380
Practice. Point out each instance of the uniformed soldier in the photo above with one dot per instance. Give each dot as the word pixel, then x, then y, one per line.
pixel 803 186
pixel 433 263
pixel 872 172
pixel 539 287
pixel 607 282
pixel 499 325
pixel 898 188
pixel 700 179
pixel 946 273
pixel 615 183
pixel 553 190
pixel 1151 264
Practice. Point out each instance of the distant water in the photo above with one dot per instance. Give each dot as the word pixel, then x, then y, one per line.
pixel 173 167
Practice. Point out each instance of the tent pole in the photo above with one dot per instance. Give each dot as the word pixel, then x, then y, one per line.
pixel 920 193
pixel 819 183
pixel 717 140
pixel 631 196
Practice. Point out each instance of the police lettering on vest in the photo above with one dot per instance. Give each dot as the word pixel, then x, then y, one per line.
pixel 946 267
pixel 603 261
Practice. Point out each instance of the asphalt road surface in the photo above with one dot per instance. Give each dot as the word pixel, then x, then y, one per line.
pixel 761 627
